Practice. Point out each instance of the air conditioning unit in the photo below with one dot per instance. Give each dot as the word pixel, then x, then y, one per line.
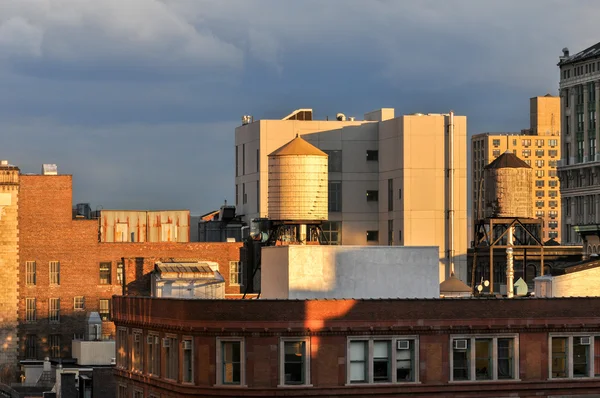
pixel 402 345
pixel 136 337
pixel 460 344
pixel 187 345
pixel 166 343
pixel 149 339
pixel 585 340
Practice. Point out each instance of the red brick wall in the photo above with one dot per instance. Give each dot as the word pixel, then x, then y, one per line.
pixel 48 233
pixel 328 324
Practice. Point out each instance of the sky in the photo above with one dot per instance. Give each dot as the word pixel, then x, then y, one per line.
pixel 139 99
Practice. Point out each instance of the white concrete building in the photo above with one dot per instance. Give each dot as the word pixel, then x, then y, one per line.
pixel 388 178
pixel 306 272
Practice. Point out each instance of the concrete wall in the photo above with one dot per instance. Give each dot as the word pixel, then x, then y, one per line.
pixel 336 272
pixel 9 266
pixel 577 284
pixel 93 352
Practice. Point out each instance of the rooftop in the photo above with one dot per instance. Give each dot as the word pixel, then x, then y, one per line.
pixel 588 53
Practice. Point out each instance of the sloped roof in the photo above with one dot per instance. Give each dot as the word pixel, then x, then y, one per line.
pixel 454 285
pixel 298 146
pixel 588 53
pixel 507 160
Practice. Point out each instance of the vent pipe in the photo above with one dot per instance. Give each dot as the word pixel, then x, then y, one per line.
pixel 450 254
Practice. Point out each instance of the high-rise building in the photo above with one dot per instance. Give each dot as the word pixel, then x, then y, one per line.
pixel 539 147
pixel 388 177
pixel 579 168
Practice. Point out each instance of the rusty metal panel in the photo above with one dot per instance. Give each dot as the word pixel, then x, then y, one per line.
pixel 122 226
pixel 169 226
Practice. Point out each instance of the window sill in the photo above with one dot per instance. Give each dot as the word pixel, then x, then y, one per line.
pixel 386 384
pixel 483 381
pixel 230 385
pixel 294 385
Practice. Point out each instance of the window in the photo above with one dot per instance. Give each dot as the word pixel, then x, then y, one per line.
pixel 244 196
pixel 237 195
pixel 551 173
pixel 372 236
pixel 552 163
pixel 171 357
pixel 553 194
pixel 496 152
pixel 230 361
pixel 31 346
pixel 333 232
pixel 390 232
pixel 78 303
pixel 526 143
pixel 553 203
pixel 138 394
pixel 390 194
pixel 484 358
pixel 122 347
pixel 496 142
pixel 539 163
pixel 30 272
pixel 335 196
pixel 539 143
pixel 30 310
pixel 137 351
pixel 540 173
pixel 553 224
pixel 552 183
pixel 237 160
pixel 54 345
pixel 153 350
pixel 539 194
pixel 120 274
pixel 399 193
pixel 334 161
pixel 372 196
pixel 539 203
pixel 382 360
pixel 188 361
pixel 235 273
pixel 539 213
pixel 243 159
pixel 571 356
pixel 552 153
pixel 54 310
pixel 539 183
pixel 104 309
pixel 295 362
pixel 105 269
pixel 372 155
pixel 553 234
pixel 54 273
pixel 526 153
pixel 553 143
pixel 514 142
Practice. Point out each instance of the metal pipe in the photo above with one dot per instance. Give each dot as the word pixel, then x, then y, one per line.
pixel 510 271
pixel 451 194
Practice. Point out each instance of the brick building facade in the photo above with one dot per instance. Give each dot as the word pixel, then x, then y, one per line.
pixel 439 347
pixel 65 272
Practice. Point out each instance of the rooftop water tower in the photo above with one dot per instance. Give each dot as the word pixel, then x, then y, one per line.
pixel 505 219
pixel 298 188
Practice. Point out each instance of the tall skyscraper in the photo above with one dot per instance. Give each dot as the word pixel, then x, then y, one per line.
pixel 579 168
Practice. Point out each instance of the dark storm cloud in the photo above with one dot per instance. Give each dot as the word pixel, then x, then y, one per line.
pixel 139 98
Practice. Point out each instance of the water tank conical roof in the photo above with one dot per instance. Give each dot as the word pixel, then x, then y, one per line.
pixel 454 287
pixel 507 160
pixel 298 146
